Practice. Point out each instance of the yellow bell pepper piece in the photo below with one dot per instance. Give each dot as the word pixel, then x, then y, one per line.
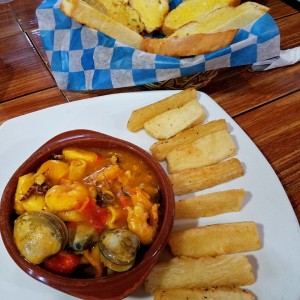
pixel 77 170
pixel 34 203
pixel 74 153
pixel 54 170
pixel 24 184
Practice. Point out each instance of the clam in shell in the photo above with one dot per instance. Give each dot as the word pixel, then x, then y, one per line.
pixel 118 248
pixel 39 235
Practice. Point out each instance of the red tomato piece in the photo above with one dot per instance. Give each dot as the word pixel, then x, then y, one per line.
pixel 95 215
pixel 63 263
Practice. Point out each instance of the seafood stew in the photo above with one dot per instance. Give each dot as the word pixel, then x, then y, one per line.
pixel 108 201
pixel 119 285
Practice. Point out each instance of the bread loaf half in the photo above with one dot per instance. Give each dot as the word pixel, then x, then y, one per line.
pixel 151 12
pixel 192 10
pixel 93 17
pixel 215 31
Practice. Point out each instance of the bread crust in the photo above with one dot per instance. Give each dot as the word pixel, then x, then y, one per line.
pixel 195 44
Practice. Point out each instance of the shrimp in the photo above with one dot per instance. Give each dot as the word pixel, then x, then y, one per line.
pixel 66 196
pixel 142 219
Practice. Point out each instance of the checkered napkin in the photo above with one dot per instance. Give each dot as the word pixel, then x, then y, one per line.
pixel 82 58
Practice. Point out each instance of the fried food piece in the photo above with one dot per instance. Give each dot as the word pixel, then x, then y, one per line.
pixel 210 204
pixel 161 148
pixel 169 123
pixel 140 116
pixel 220 293
pixel 204 272
pixel 216 239
pixel 208 150
pixel 196 179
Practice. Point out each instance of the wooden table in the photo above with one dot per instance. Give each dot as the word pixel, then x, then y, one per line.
pixel 265 104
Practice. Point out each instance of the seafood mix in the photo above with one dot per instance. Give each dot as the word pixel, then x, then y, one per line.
pixel 86 212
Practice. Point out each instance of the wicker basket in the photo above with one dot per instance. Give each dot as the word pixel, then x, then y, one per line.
pixel 196 81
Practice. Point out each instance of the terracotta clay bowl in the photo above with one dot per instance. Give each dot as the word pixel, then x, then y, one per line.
pixel 118 285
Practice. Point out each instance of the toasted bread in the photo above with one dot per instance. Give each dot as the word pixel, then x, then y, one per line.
pixel 224 18
pixel 151 12
pixel 192 10
pixel 121 11
pixel 94 18
pixel 215 31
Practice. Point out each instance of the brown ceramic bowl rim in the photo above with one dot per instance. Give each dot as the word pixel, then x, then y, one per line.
pixel 74 286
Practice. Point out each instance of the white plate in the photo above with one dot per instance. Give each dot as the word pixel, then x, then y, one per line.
pixel 277 264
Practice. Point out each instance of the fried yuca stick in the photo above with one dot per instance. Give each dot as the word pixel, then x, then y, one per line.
pixel 161 148
pixel 140 116
pixel 210 204
pixel 207 150
pixel 217 239
pixel 170 122
pixel 204 272
pixel 219 293
pixel 196 179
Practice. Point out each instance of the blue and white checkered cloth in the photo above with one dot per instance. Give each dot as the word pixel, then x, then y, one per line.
pixel 82 58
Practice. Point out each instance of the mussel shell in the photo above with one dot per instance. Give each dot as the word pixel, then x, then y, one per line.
pixel 118 248
pixel 39 235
